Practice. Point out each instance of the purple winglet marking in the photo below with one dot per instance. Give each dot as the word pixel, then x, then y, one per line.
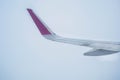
pixel 39 24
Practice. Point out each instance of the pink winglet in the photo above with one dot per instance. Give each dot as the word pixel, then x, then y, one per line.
pixel 39 24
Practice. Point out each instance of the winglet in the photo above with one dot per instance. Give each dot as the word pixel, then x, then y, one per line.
pixel 42 28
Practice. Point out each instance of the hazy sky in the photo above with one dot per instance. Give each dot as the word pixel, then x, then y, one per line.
pixel 26 55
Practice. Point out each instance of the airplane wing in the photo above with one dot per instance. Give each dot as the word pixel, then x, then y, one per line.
pixel 48 34
pixel 99 52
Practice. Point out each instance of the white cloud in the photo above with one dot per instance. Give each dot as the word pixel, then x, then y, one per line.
pixel 109 58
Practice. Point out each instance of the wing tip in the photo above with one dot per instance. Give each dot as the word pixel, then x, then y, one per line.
pixel 29 9
pixel 41 26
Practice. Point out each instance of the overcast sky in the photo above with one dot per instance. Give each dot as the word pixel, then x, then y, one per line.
pixel 26 55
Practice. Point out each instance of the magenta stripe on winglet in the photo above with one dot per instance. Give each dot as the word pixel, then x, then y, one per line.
pixel 39 24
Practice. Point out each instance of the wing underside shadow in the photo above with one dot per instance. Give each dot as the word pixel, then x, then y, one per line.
pixel 99 52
